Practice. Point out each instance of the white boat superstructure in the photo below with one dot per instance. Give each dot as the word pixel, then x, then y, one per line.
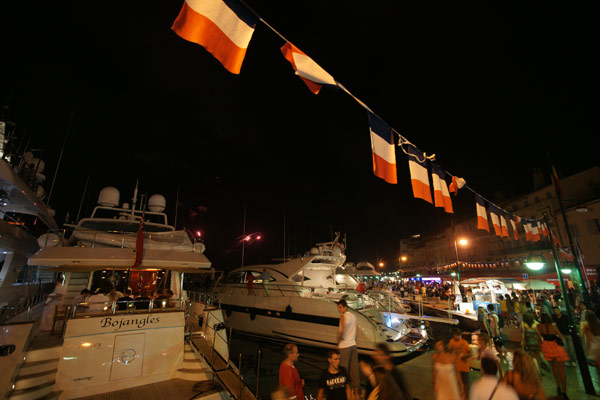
pixel 108 346
pixel 23 218
pixel 299 304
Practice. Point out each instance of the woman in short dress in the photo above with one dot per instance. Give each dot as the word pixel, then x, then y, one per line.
pixel 591 334
pixel 525 378
pixel 530 342
pixel 549 334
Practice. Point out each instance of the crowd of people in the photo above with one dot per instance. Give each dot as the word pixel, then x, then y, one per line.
pixel 546 345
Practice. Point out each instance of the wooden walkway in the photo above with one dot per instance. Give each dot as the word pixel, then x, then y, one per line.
pixel 227 374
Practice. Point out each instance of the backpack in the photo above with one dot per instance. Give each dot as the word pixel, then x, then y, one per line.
pixel 500 320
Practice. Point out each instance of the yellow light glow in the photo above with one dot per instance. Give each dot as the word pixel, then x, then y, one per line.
pixel 86 344
pixel 463 242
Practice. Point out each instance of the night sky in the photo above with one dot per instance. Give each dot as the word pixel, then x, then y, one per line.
pixel 490 89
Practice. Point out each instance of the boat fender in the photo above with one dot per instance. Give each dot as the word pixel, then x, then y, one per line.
pixel 228 312
pixel 218 327
pixel 288 309
pixel 252 315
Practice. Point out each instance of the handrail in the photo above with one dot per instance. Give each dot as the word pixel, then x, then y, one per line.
pixel 111 307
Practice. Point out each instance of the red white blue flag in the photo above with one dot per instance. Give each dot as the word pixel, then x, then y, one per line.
pixel 418 174
pixel 513 222
pixel 309 71
pixel 535 232
pixel 223 27
pixel 495 221
pixel 503 225
pixel 482 220
pixel 440 188
pixel 384 151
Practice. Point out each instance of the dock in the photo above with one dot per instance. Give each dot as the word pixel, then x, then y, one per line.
pixel 418 376
pixel 226 372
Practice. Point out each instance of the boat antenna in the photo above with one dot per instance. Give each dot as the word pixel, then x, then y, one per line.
pixel 134 200
pixel 87 181
pixel 176 207
pixel 61 153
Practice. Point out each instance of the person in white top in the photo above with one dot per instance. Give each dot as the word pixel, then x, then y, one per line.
pixel 347 345
pixel 99 300
pixel 54 299
pixel 488 387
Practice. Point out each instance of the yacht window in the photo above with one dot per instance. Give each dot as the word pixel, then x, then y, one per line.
pixel 298 278
pixel 319 261
pixel 235 277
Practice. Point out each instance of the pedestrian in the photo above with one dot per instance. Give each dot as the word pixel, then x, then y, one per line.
pixel 482 318
pixel 446 382
pixel 562 323
pixel 123 302
pixel 495 330
pixel 553 351
pixel 250 281
pixel 530 342
pixel 484 350
pixel 591 334
pixel 517 307
pixel 347 344
pixel 524 377
pixel 461 349
pixel 82 298
pixel 266 280
pixel 53 300
pixel 334 383
pixel 488 387
pixel 394 387
pixel 288 374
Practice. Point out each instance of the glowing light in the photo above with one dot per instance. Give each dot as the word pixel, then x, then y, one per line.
pixel 86 344
pixel 535 266
pixel 198 233
pixel 463 242
pixel 566 271
pixel 258 237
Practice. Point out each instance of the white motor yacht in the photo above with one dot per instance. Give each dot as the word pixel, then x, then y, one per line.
pixel 23 218
pixel 298 304
pixel 120 345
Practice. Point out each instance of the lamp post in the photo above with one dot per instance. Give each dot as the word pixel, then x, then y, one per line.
pixel 463 242
pixel 579 353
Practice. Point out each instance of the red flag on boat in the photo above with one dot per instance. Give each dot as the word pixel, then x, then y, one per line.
pixel 139 245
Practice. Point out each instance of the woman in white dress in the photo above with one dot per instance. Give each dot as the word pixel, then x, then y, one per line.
pixel 54 299
pixel 446 384
pixel 591 333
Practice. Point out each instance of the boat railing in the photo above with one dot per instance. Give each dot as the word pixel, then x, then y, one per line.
pixel 279 290
pixel 24 304
pixel 124 307
pixel 165 240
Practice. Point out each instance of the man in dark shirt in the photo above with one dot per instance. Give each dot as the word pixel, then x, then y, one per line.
pixel 122 301
pixel 143 301
pixel 333 382
pixel 562 323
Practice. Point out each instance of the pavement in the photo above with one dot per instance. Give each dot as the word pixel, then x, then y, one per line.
pixel 418 377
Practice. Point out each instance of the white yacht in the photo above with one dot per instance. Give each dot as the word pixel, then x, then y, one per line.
pixel 118 348
pixel 23 218
pixel 299 304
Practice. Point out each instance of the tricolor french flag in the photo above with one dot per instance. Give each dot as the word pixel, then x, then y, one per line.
pixel 418 174
pixel 482 220
pixel 440 188
pixel 528 229
pixel 384 151
pixel 535 233
pixel 495 220
pixel 513 222
pixel 223 27
pixel 309 71
pixel 503 224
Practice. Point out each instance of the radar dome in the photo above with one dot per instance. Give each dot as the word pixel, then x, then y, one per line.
pixel 109 197
pixel 157 203
pixel 314 251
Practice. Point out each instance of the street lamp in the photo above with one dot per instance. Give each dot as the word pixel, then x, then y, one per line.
pixel 463 242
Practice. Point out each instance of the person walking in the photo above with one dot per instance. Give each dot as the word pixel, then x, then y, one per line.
pixel 553 351
pixel 461 349
pixel 562 323
pixel 488 387
pixel 524 377
pixel 483 350
pixel 288 374
pixel 266 280
pixel 446 382
pixel 334 383
pixel 530 341
pixel 495 330
pixel 53 300
pixel 347 344
pixel 591 334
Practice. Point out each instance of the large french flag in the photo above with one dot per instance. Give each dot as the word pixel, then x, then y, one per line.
pixel 535 233
pixel 418 174
pixel 384 151
pixel 513 222
pixel 441 195
pixel 495 220
pixel 309 71
pixel 482 220
pixel 223 27
pixel 503 224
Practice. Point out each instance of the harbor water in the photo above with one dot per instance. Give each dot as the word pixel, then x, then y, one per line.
pixel 310 364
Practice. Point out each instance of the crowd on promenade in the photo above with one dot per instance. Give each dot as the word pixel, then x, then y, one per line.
pixel 545 347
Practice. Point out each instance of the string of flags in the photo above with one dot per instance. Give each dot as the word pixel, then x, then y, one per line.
pixel 225 27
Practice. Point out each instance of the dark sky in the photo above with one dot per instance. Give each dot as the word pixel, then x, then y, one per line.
pixel 490 89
